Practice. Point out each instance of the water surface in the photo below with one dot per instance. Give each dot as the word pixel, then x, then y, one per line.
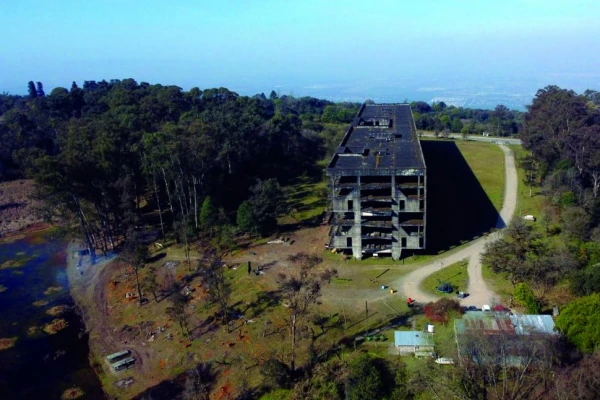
pixel 40 366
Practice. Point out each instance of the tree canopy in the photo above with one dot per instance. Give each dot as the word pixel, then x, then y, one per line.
pixel 579 321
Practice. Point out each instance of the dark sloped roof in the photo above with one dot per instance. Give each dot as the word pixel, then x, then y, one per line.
pixel 381 136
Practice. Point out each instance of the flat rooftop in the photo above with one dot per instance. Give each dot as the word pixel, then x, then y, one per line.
pixel 381 139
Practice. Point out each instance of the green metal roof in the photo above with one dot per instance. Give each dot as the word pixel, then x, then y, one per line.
pixel 413 338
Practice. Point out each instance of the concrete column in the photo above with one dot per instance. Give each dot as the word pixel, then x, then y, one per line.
pixel 396 249
pixel 357 229
pixel 424 208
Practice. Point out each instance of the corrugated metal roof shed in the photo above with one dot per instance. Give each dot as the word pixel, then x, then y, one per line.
pixel 488 323
pixel 533 324
pixel 412 338
pixel 493 323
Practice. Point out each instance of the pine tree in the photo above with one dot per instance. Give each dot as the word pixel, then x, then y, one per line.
pixel 40 90
pixel 31 90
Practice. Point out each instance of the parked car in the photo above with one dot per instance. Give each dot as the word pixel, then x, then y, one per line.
pixel 444 361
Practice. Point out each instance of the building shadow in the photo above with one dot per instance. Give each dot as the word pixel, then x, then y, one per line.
pixel 458 209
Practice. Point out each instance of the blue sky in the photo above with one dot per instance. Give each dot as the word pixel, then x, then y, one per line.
pixel 296 44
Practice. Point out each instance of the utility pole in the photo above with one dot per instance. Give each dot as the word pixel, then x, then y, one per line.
pixel 344 313
pixel 367 316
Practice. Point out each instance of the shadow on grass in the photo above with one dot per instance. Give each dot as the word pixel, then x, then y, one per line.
pixel 458 209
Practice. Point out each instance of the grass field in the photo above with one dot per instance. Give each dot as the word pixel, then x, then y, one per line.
pixel 306 199
pixel 465 185
pixel 526 205
pixel 487 162
pixel 497 283
pixel 455 274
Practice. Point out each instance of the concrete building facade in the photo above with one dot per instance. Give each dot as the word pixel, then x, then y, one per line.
pixel 378 184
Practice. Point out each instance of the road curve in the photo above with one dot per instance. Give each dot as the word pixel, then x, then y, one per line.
pixel 479 293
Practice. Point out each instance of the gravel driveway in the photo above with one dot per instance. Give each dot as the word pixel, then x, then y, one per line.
pixel 479 293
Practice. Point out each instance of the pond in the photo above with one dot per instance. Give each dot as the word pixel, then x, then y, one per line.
pixel 50 353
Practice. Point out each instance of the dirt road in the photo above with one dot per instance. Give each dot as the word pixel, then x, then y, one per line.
pixel 479 293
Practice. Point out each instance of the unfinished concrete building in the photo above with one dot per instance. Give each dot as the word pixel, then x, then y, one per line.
pixel 378 184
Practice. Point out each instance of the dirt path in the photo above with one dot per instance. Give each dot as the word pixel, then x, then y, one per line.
pixel 479 293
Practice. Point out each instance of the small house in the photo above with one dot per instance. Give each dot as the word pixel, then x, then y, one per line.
pixel 414 343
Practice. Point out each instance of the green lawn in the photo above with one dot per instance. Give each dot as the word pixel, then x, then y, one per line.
pixel 497 283
pixel 487 162
pixel 306 200
pixel 526 205
pixel 455 274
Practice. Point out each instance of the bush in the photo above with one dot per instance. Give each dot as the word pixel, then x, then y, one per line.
pixel 580 323
pixel 587 281
pixel 441 310
pixel 524 296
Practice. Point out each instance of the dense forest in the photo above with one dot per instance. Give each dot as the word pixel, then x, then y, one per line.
pixel 101 152
pixel 443 119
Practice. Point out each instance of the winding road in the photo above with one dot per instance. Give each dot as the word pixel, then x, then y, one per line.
pixel 479 293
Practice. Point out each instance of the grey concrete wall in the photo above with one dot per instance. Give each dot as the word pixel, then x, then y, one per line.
pixel 356 230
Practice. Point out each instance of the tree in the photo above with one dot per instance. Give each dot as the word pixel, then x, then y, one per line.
pixel 457 125
pixel 199 382
pixel 267 203
pixel 365 380
pixel 529 165
pixel 519 254
pixel 587 281
pixel 580 381
pixel 504 365
pixel 524 295
pixel 326 381
pixel 150 282
pixel 219 290
pixel 136 253
pixel 441 310
pixel 575 222
pixel 31 90
pixel 177 311
pixel 499 115
pixel 276 375
pixel 579 321
pixel 209 215
pixel 40 90
pixel 245 218
pixel 554 115
pixel 301 291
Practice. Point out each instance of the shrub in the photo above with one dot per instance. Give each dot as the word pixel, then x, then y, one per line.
pixel 524 296
pixel 441 309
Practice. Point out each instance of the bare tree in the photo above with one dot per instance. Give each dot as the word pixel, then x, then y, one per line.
pixel 219 290
pixel 135 253
pixel 151 283
pixel 199 382
pixel 177 311
pixel 512 367
pixel 301 291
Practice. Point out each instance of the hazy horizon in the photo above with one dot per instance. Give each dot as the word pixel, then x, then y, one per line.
pixel 468 52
